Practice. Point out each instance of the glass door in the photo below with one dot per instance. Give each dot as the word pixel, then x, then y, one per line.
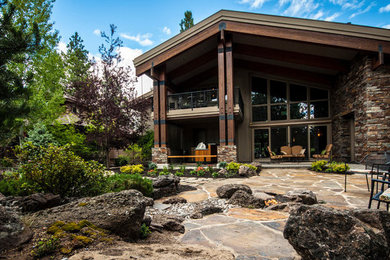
pixel 261 137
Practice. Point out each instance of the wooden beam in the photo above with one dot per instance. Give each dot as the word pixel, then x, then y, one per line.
pixel 229 91
pixel 156 113
pixel 221 94
pixel 337 40
pixel 186 44
pixel 301 75
pixel 292 57
pixel 193 64
pixel 163 108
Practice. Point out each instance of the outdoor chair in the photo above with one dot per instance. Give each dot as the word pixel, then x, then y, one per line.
pixel 292 152
pixel 380 190
pixel 325 154
pixel 272 155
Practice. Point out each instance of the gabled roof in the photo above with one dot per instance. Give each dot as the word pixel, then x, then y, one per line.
pixel 320 32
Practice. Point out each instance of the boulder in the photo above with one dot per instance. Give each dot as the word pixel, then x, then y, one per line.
pixel 318 232
pixel 12 231
pixel 245 171
pixel 121 213
pixel 227 190
pixel 165 185
pixel 303 196
pixel 263 195
pixel 39 201
pixel 168 222
pixel 245 199
pixel 175 200
pixel 258 166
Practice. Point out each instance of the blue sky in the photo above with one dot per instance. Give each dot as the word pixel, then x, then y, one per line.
pixel 143 25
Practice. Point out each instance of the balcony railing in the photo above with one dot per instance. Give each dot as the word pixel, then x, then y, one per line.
pixel 191 100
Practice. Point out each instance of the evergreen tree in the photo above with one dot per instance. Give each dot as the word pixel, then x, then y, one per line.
pixel 76 60
pixel 187 22
pixel 18 42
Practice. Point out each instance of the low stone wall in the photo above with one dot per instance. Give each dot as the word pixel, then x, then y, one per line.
pixel 160 155
pixel 227 153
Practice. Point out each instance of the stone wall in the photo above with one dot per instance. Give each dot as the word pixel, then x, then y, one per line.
pixel 227 153
pixel 160 155
pixel 364 95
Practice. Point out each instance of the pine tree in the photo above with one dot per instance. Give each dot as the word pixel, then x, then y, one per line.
pixel 187 22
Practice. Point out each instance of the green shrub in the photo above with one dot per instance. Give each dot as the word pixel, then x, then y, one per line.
pixel 145 231
pixel 121 160
pixel 59 171
pixel 182 168
pixel 119 182
pixel 134 154
pixel 146 142
pixel 222 165
pixel 215 174
pixel 318 166
pixel 165 171
pixel 45 247
pixel 152 166
pixel 152 172
pixel 13 184
pixel 324 166
pixel 6 162
pixel 193 172
pixel 132 169
pixel 179 173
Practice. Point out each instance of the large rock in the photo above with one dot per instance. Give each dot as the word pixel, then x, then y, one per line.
pixel 227 190
pixel 302 196
pixel 244 199
pixel 318 232
pixel 165 185
pixel 168 222
pixel 119 212
pixel 12 231
pixel 32 203
pixel 245 171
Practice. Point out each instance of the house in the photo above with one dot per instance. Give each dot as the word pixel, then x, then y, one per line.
pixel 245 81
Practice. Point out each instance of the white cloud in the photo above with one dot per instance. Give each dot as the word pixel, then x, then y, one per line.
pixel 348 4
pixel 318 15
pixel 143 39
pixel 97 32
pixel 332 17
pixel 61 47
pixel 166 30
pixel 362 11
pixel 385 9
pixel 298 7
pixel 253 3
pixel 387 26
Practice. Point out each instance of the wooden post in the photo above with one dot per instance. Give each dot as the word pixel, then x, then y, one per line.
pixel 163 108
pixel 156 113
pixel 230 94
pixel 221 93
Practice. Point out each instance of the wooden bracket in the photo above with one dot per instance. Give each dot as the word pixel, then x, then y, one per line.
pixel 381 59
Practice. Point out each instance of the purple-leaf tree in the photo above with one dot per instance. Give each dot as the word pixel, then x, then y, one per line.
pixel 106 99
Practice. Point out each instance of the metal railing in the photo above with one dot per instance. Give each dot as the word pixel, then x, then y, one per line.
pixel 191 100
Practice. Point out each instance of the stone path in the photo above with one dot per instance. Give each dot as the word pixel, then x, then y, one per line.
pixel 258 234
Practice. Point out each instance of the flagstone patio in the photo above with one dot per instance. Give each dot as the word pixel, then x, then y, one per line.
pixel 256 233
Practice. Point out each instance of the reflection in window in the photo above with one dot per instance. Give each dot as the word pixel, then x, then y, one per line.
pixel 319 109
pixel 259 91
pixel 278 92
pixel 261 143
pixel 299 136
pixel 259 113
pixel 278 138
pixel 298 93
pixel 278 112
pixel 318 139
pixel 298 111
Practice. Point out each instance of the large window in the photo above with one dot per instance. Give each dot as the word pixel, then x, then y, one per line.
pixel 261 143
pixel 279 101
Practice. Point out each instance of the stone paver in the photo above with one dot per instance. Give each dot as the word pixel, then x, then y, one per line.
pixel 258 234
